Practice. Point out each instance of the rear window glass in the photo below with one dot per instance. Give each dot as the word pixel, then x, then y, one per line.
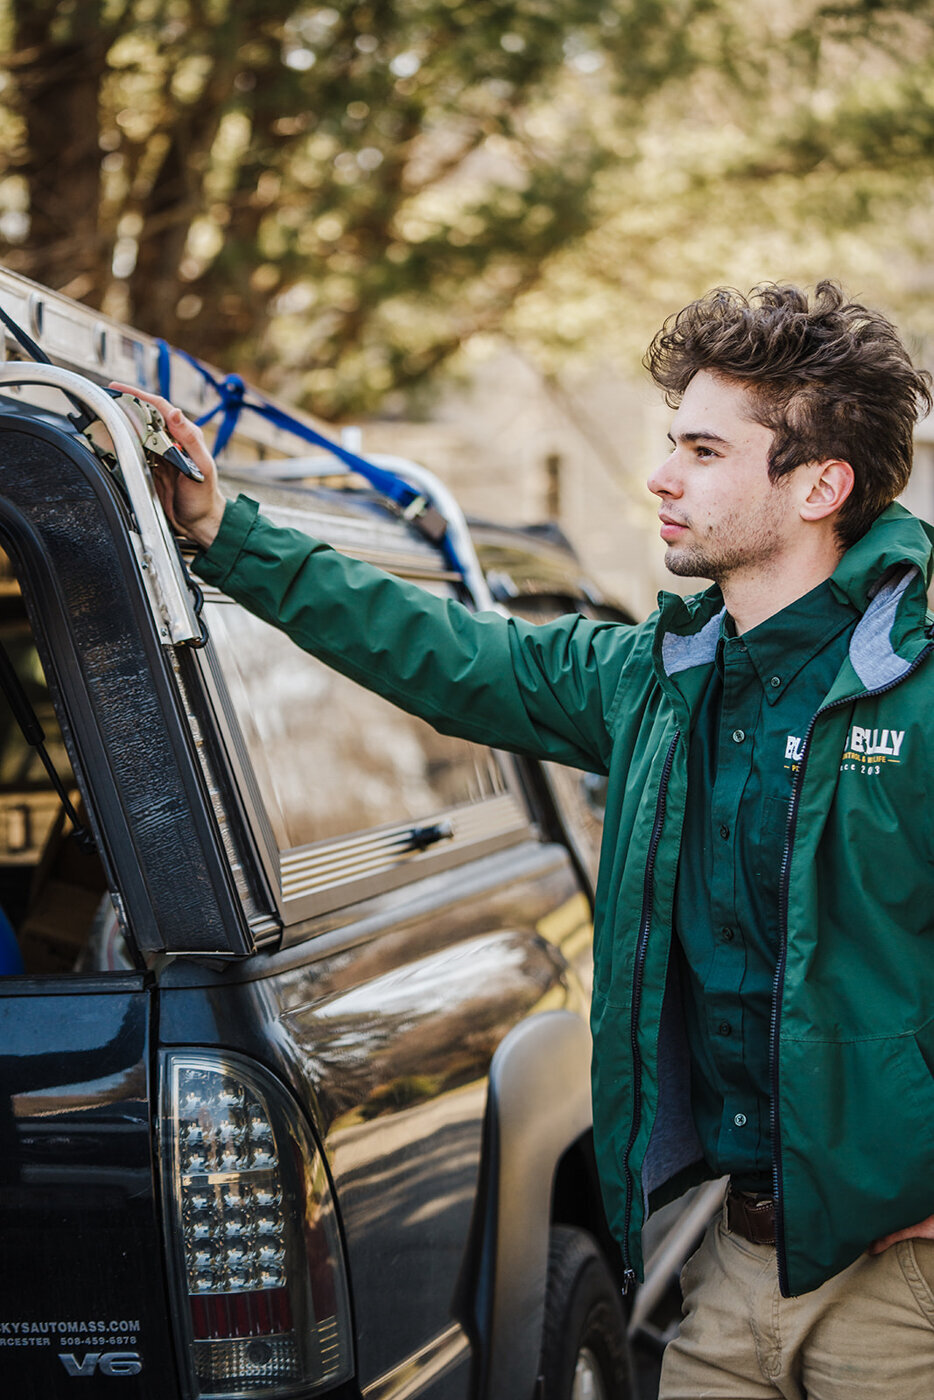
pixel 56 914
pixel 331 758
pixel 28 804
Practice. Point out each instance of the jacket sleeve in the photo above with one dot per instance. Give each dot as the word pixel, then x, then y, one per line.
pixel 542 690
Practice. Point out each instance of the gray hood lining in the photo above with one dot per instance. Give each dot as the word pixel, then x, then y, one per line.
pixel 681 653
pixel 872 655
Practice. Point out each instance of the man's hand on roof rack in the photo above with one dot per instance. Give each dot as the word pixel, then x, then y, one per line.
pixel 193 508
pixel 149 425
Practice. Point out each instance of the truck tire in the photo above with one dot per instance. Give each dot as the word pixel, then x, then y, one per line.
pixel 585 1350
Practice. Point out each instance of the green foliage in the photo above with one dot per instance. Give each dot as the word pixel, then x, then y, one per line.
pixel 803 149
pixel 336 198
pixel 339 195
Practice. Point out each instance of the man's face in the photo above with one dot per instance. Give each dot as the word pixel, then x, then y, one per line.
pixel 720 513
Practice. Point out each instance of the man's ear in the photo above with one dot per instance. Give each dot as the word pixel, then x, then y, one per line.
pixel 828 485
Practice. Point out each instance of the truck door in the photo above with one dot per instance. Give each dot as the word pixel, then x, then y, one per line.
pixel 423 919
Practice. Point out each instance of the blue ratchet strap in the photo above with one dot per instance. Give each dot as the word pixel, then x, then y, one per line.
pixel 164 367
pixel 232 396
pixel 230 392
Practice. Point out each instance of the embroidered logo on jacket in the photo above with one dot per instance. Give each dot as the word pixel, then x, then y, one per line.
pixel 865 751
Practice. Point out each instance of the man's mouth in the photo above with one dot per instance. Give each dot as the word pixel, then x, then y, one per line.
pixel 671 529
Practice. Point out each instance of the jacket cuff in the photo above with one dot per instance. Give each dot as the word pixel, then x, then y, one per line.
pixel 215 563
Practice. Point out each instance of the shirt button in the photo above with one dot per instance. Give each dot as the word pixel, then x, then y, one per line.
pixel 738 736
pixel 724 1028
pixel 775 682
pixel 724 832
pixel 727 935
pixel 740 1120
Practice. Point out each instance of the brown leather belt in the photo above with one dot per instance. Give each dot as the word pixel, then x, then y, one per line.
pixel 751 1215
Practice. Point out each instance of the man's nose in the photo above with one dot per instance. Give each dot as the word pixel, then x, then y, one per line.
pixel 664 480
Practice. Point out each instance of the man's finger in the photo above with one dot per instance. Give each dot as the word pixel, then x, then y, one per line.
pixel 186 433
pixel 157 400
pixel 924 1230
pixel 174 417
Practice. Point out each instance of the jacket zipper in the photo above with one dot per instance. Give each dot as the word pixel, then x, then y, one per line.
pixel 629 1273
pixel 778 983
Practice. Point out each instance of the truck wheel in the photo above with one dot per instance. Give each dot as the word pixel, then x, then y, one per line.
pixel 585 1351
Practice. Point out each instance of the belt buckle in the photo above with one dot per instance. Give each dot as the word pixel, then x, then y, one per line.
pixel 751 1215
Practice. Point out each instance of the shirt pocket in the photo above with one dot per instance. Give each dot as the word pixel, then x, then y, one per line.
pixel 775 815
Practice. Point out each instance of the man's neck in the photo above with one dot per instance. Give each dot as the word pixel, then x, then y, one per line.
pixel 751 600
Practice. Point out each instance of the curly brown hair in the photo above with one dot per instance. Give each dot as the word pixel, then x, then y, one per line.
pixel 828 376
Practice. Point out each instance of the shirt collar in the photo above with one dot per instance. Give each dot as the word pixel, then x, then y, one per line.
pixel 787 641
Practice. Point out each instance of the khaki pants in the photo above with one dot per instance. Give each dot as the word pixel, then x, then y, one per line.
pixel 867 1334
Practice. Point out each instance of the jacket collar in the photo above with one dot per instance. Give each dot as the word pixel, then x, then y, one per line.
pixel 884 575
pixel 895 540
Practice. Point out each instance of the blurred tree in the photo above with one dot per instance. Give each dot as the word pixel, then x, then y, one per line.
pixel 376 181
pixel 59 68
pixel 802 147
pixel 335 198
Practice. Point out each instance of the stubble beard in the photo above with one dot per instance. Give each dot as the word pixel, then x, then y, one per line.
pixel 737 547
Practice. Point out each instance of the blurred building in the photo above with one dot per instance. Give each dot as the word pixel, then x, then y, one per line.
pixel 920 494
pixel 517 448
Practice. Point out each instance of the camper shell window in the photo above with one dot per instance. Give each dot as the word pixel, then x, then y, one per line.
pixel 56 913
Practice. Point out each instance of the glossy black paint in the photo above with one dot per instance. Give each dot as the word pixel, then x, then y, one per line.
pixel 381 1019
pixel 388 1034
pixel 79 1229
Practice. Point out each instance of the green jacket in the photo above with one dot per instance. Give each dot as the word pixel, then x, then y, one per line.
pixel 853 1032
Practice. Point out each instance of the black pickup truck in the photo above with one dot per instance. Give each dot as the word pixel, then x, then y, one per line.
pixel 294 1092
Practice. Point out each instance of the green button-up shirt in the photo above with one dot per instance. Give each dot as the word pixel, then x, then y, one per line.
pixel 763 692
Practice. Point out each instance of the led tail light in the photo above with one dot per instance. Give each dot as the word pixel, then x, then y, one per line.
pixel 259 1267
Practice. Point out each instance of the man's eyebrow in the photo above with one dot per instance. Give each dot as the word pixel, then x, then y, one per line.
pixel 699 437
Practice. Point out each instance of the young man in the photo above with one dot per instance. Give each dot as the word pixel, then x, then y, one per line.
pixel 764 978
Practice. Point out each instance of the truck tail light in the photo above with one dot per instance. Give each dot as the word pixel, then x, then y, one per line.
pixel 262 1303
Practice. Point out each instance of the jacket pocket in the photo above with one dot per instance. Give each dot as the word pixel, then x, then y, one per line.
pixel 924 1039
pixel 857 1147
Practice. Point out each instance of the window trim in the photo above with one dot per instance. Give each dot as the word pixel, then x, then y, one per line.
pixel 479 828
pixel 133 811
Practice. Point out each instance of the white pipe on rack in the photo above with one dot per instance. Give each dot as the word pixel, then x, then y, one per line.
pixel 424 480
pixel 169 595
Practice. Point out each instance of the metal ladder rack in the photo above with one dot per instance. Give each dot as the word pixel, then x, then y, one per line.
pixel 77 338
pixel 83 341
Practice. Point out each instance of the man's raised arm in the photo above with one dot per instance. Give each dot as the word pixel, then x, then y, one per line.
pixel 544 690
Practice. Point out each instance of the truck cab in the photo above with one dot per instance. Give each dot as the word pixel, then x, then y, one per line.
pixel 294 1055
